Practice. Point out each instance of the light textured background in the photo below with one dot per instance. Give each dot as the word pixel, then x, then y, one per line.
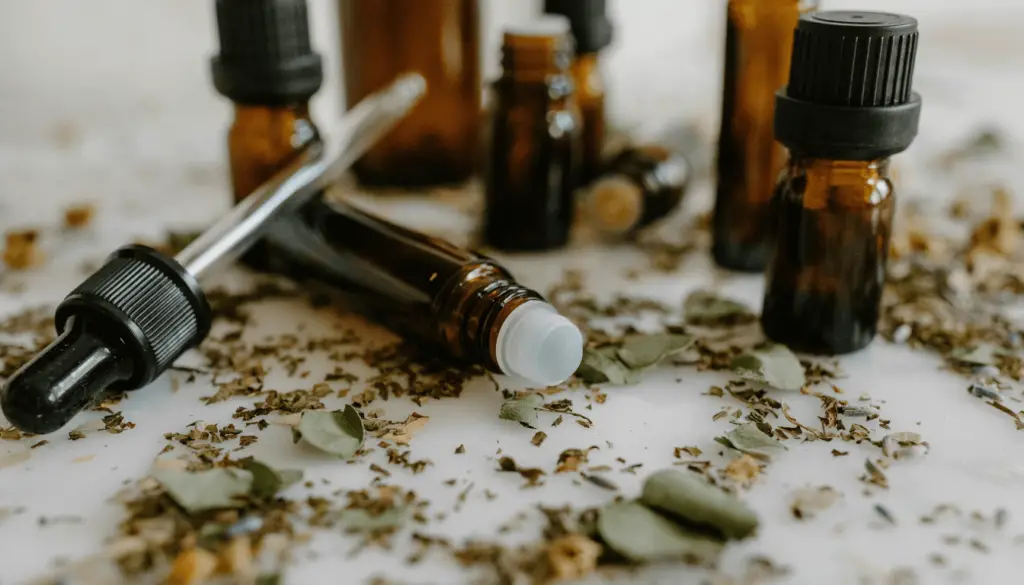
pixel 110 101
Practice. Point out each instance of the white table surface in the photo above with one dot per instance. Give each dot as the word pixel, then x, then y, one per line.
pixel 975 461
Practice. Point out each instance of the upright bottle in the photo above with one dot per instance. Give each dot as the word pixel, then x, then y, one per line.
pixel 592 31
pixel 535 150
pixel 440 39
pixel 758 43
pixel 461 303
pixel 848 108
pixel 267 67
pixel 640 186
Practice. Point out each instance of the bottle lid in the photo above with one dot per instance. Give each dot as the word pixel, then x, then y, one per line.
pixel 614 204
pixel 590 23
pixel 266 56
pixel 849 94
pixel 537 344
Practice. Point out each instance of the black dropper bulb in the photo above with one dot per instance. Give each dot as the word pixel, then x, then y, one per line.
pixel 118 330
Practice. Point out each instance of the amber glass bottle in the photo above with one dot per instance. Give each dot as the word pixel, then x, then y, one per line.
pixel 534 160
pixel 759 39
pixel 267 67
pixel 440 39
pixel 465 305
pixel 592 31
pixel 640 186
pixel 847 108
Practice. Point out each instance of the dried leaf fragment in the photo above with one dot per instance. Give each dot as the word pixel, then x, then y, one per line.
pixel 709 309
pixel 338 432
pixel 267 481
pixel 192 567
pixel 208 489
pixel 572 556
pixel 774 366
pixel 748 438
pixel 522 410
pixel 78 216
pixel 643 535
pixel 625 363
pixel 22 250
pixel 402 432
pixel 691 498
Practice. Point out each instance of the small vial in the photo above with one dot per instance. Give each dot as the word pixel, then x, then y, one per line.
pixel 759 39
pixel 592 31
pixel 848 108
pixel 535 140
pixel 641 185
pixel 437 143
pixel 267 67
pixel 463 304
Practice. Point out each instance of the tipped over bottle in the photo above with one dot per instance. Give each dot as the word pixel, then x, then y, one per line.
pixel 463 304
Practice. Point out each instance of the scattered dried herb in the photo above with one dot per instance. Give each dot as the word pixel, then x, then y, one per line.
pixel 748 438
pixel 522 410
pixel 625 362
pixel 692 499
pixel 711 310
pixel 22 250
pixel 643 535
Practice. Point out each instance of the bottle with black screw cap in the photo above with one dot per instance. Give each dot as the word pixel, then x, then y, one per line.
pixel 848 107
pixel 593 32
pixel 268 68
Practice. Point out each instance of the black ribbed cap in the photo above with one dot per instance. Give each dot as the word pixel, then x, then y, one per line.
pixel 589 21
pixel 853 58
pixel 850 85
pixel 266 56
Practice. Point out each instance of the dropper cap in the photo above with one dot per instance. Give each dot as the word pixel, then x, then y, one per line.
pixel 266 56
pixel 590 24
pixel 849 94
pixel 537 344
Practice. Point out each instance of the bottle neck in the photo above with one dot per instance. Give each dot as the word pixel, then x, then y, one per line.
pixel 852 183
pixel 261 113
pixel 537 59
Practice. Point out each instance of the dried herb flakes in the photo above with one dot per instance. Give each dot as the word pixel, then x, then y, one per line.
pixel 625 362
pixel 748 438
pixel 774 366
pixel 643 535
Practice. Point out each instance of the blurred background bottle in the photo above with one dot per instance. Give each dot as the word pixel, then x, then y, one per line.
pixel 758 43
pixel 592 31
pixel 437 143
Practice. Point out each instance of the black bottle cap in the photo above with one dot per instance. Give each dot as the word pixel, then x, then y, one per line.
pixel 589 20
pixel 266 57
pixel 849 94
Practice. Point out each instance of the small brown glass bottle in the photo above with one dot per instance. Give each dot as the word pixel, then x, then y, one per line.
pixel 535 150
pixel 440 39
pixel 759 39
pixel 593 32
pixel 267 67
pixel 640 186
pixel 461 303
pixel 848 108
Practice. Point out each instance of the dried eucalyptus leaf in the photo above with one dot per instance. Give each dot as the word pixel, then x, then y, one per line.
pixel 209 489
pixel 267 481
pixel 704 307
pixel 522 410
pixel 339 432
pixel 642 535
pixel 981 355
pixel 603 365
pixel 773 366
pixel 643 351
pixel 747 438
pixel 361 520
pixel 691 498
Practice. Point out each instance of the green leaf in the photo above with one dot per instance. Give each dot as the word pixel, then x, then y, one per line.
pixel 689 497
pixel 339 432
pixel 643 351
pixel 269 579
pixel 624 363
pixel 603 365
pixel 704 307
pixel 267 481
pixel 522 410
pixel 747 438
pixel 773 366
pixel 982 355
pixel 360 520
pixel 642 535
pixel 209 489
